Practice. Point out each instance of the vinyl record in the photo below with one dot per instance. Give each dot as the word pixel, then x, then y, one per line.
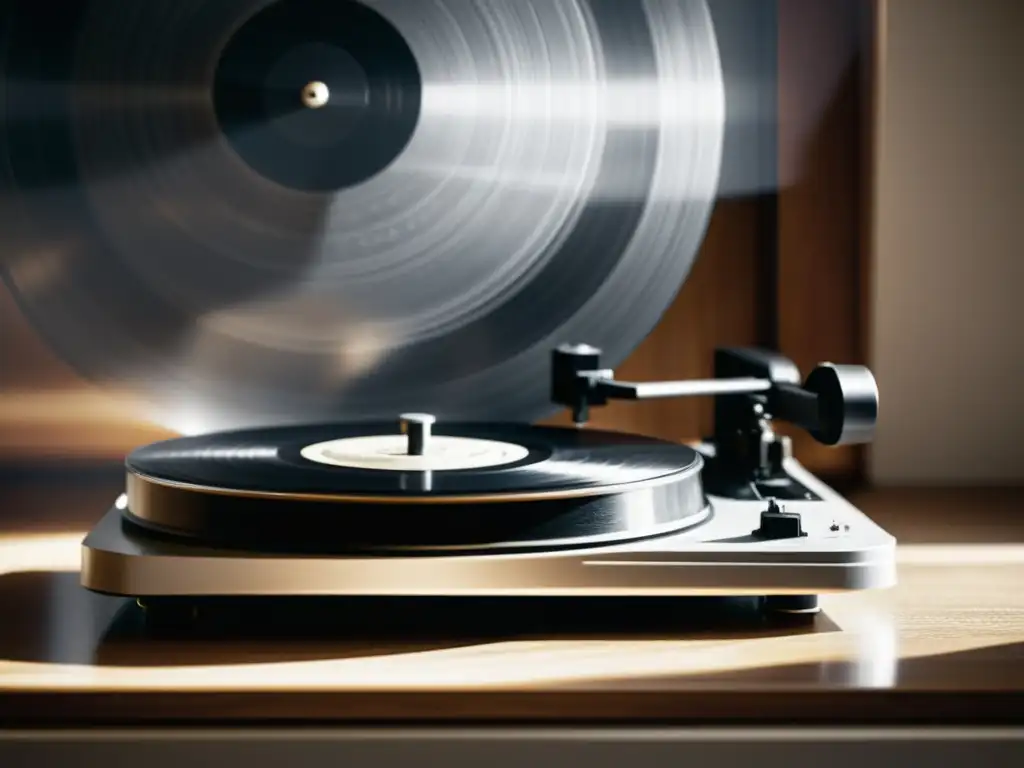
pixel 354 487
pixel 283 211
pixel 368 461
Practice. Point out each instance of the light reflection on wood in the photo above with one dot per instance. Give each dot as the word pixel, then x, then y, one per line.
pixel 952 599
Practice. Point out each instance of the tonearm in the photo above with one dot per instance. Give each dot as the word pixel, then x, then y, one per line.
pixel 836 404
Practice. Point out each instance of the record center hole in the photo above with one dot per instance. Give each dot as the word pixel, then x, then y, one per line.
pixel 315 94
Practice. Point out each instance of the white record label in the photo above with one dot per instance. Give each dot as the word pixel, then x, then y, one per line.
pixel 390 452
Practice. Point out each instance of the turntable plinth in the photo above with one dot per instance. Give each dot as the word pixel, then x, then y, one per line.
pixel 942 646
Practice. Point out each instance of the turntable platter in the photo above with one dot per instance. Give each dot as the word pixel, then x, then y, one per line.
pixel 493 486
pixel 261 212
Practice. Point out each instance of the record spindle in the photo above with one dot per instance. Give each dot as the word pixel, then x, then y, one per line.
pixel 417 427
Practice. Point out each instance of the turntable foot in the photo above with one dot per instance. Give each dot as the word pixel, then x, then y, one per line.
pixel 168 613
pixel 802 605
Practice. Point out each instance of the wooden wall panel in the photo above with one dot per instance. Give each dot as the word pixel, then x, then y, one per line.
pixel 716 307
pixel 824 94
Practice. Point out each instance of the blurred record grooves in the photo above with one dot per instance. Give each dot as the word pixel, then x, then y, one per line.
pixel 488 179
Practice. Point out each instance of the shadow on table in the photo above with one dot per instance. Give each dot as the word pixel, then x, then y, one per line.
pixel 50 618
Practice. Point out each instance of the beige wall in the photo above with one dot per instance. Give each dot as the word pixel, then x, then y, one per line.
pixel 948 336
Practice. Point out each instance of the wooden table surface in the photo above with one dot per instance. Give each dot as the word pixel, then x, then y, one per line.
pixel 946 645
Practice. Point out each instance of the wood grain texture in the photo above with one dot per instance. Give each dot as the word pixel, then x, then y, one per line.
pixel 825 95
pixel 716 307
pixel 946 645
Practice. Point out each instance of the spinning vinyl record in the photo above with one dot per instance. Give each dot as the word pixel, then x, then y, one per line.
pixel 475 462
pixel 357 486
pixel 282 211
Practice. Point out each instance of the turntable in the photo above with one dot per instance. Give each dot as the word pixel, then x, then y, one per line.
pixel 356 252
pixel 426 508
